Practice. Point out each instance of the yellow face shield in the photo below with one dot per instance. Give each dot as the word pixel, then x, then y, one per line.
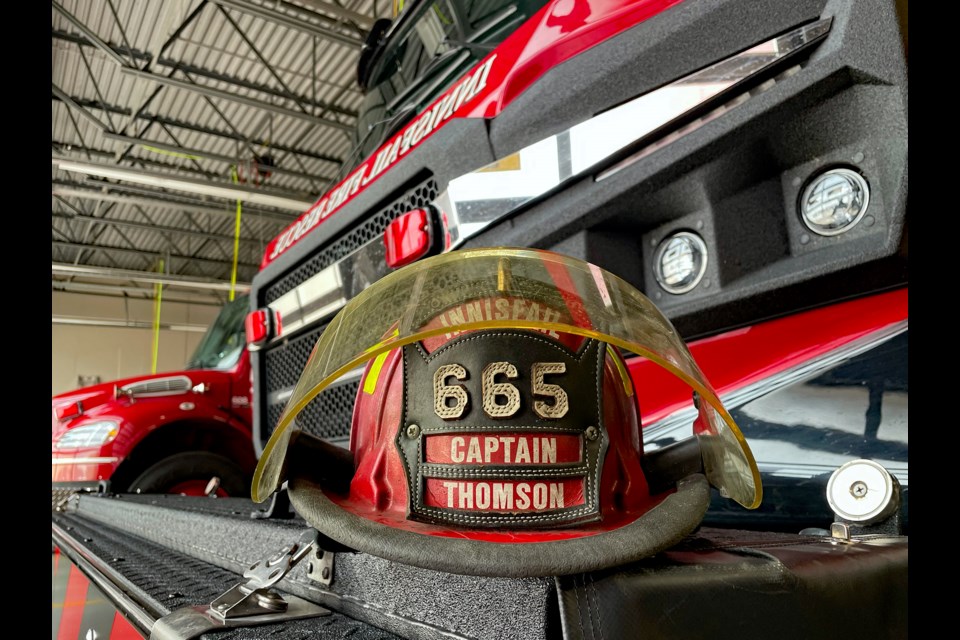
pixel 397 310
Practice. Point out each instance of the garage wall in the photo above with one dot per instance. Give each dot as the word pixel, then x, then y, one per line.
pixel 118 352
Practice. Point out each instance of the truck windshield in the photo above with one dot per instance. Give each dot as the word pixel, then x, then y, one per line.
pixel 429 46
pixel 225 340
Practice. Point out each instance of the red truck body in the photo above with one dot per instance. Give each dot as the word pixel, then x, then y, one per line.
pixel 435 184
pixel 196 410
pixel 802 334
pixel 558 32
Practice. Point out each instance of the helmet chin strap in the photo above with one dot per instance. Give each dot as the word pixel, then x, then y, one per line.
pixel 665 467
pixel 330 465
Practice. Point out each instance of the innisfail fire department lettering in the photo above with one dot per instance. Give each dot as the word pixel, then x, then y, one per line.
pixel 498 309
pixel 443 109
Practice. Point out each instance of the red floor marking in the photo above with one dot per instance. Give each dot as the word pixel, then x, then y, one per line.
pixel 73 604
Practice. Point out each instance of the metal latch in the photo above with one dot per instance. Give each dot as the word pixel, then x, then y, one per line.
pixel 247 603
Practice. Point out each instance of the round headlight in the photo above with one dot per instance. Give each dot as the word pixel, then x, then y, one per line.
pixel 834 201
pixel 680 262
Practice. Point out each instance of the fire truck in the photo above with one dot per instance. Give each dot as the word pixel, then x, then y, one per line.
pixel 743 165
pixel 168 432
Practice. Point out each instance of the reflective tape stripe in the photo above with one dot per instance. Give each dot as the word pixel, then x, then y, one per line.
pixel 61 461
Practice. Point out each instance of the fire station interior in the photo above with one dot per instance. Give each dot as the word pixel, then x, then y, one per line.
pixel 674 233
pixel 171 122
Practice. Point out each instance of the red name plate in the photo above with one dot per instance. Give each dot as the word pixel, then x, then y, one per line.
pixel 503 448
pixel 504 495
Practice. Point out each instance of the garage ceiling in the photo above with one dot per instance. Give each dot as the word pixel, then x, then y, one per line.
pixel 166 112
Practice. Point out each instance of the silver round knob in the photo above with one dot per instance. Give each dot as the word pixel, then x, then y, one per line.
pixel 861 491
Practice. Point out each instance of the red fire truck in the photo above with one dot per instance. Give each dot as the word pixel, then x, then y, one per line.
pixel 689 148
pixel 743 164
pixel 168 432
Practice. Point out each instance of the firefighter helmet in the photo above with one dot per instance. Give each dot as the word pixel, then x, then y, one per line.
pixel 496 428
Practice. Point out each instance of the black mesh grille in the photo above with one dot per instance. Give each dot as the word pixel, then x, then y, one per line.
pixel 329 414
pixel 284 363
pixel 371 228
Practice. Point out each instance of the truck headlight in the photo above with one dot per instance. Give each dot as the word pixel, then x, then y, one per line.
pixel 834 201
pixel 680 262
pixel 94 434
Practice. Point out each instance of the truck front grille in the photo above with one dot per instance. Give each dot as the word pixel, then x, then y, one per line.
pixel 371 228
pixel 329 414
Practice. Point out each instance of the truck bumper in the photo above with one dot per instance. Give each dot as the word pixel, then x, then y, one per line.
pixel 70 467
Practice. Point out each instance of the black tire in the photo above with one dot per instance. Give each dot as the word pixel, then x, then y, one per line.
pixel 191 465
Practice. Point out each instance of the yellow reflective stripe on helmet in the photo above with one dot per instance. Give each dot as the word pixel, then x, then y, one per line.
pixel 370 383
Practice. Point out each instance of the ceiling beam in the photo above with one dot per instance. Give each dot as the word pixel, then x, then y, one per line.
pixel 190 85
pixel 66 148
pixel 210 299
pixel 91 36
pixel 297 18
pixel 361 20
pixel 106 273
pixel 274 198
pixel 63 97
pixel 174 148
pixel 97 195
pixel 132 224
pixel 163 146
pixel 262 58
pixel 227 95
pixel 206 73
pixel 96 85
pixel 123 36
pixel 129 324
pixel 197 128
pixel 203 72
pixel 147 253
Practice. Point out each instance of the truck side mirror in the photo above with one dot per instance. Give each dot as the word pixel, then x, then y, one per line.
pixel 370 46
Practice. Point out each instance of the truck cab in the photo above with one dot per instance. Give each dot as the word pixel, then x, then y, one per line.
pixel 167 432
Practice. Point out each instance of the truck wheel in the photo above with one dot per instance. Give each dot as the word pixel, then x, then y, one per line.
pixel 189 473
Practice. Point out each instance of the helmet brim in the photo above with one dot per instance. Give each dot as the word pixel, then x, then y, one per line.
pixel 654 531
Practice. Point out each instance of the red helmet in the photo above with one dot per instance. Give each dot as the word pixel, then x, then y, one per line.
pixel 496 429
